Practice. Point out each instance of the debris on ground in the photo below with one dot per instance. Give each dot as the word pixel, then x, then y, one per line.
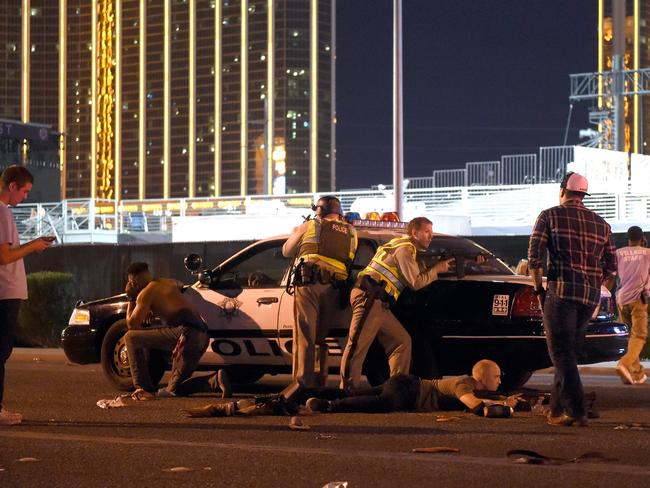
pixel 116 402
pixel 633 426
pixel 447 418
pixel 296 424
pixel 325 436
pixel 178 469
pixel 28 460
pixel 436 450
pixel 336 484
pixel 524 456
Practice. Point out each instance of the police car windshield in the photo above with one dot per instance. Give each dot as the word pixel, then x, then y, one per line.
pixel 465 252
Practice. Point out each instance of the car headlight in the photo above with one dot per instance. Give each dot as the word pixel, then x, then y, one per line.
pixel 80 316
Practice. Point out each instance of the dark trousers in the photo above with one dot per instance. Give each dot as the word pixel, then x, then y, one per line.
pixel 398 393
pixel 8 324
pixel 565 323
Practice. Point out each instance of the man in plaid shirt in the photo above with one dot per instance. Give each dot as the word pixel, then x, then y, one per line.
pixel 581 256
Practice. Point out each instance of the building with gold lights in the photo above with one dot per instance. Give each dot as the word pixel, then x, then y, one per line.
pixel 176 98
pixel 637 56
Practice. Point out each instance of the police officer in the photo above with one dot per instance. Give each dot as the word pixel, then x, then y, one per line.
pixel 393 268
pixel 324 247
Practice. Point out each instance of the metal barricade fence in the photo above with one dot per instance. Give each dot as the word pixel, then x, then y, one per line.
pixel 519 169
pixel 496 206
pixel 553 161
pixel 444 178
pixel 483 173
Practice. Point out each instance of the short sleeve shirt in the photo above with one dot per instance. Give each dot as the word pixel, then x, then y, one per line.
pixel 444 394
pixel 633 273
pixel 13 284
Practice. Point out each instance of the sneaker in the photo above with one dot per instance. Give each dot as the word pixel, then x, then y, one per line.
pixel 641 380
pixel 223 380
pixel 10 418
pixel 318 405
pixel 624 373
pixel 165 393
pixel 566 421
pixel 141 395
pixel 212 410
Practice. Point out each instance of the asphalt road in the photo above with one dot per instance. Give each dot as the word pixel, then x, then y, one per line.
pixel 66 440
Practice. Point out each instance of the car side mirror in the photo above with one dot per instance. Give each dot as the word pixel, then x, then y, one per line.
pixel 193 262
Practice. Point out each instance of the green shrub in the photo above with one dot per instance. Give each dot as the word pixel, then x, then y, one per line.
pixel 47 310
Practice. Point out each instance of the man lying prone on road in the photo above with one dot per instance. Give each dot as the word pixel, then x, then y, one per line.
pixel 400 393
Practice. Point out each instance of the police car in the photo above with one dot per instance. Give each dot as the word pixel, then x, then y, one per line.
pixel 480 309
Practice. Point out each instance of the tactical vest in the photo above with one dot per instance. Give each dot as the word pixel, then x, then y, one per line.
pixel 331 241
pixel 391 276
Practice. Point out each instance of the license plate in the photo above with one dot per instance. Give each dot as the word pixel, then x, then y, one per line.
pixel 500 304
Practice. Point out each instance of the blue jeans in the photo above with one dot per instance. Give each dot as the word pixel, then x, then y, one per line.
pixel 565 323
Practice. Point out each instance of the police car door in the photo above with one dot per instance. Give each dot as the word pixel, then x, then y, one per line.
pixel 241 307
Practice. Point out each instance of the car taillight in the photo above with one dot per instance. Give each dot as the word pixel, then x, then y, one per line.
pixel 526 304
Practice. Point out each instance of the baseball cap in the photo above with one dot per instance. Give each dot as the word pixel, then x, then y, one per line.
pixel 634 233
pixel 575 182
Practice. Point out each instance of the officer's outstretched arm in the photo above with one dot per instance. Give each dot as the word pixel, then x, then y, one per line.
pixel 290 247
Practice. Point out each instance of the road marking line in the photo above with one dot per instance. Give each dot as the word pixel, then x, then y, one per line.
pixel 626 469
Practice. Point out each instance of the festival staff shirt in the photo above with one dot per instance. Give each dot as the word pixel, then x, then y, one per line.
pixel 13 283
pixel 633 274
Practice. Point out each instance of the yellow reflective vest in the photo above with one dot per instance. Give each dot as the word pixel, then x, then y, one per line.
pixel 389 275
pixel 330 241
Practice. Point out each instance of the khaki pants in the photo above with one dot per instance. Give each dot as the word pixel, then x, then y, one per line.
pixel 378 321
pixel 635 316
pixel 314 308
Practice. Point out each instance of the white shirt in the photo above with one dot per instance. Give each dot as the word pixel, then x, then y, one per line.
pixel 13 283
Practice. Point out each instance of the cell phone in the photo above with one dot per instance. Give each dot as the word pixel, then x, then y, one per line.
pixel 49 238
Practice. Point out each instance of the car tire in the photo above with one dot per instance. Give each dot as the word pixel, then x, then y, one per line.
pixel 514 379
pixel 115 360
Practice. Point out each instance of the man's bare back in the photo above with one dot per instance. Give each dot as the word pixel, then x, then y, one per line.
pixel 168 303
pixel 164 299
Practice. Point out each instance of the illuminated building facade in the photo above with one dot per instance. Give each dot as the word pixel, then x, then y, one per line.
pixel 29 92
pixel 177 98
pixel 637 56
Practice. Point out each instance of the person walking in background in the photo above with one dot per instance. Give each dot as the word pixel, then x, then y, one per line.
pixel 16 183
pixel 581 256
pixel 632 297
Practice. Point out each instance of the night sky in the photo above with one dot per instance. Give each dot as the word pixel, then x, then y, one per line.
pixel 482 78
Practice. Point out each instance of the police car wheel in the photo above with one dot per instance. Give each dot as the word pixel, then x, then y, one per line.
pixel 115 360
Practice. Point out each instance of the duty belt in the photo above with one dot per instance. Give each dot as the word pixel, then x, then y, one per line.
pixel 307 273
pixel 374 288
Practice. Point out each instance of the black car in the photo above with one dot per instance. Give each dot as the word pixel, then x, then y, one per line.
pixel 478 310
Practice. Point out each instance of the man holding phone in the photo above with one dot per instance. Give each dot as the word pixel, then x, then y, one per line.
pixel 16 183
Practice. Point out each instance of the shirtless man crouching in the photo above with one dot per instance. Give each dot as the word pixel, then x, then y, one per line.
pixel 184 333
